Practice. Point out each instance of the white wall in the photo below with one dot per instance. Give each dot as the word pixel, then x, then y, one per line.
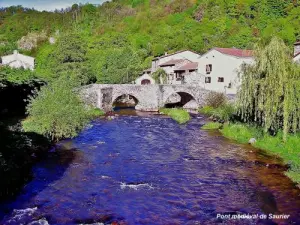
pixel 226 66
pixel 181 55
pixel 145 76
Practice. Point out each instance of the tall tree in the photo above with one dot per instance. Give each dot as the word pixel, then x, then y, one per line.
pixel 270 90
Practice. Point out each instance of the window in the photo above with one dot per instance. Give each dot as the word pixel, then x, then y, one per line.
pixel 207 80
pixel 208 68
pixel 221 79
pixel 172 76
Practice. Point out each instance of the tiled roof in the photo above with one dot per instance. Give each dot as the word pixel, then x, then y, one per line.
pixel 188 66
pixel 172 62
pixel 236 52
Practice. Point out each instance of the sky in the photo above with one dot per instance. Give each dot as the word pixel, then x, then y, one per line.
pixel 48 5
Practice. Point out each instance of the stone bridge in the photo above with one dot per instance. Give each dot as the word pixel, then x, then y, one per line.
pixel 148 97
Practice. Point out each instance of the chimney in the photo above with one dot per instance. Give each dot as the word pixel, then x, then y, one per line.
pixel 296 48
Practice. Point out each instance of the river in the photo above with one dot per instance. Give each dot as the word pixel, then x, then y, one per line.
pixel 150 170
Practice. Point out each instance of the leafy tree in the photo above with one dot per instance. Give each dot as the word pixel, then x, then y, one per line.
pixel 270 90
pixel 56 112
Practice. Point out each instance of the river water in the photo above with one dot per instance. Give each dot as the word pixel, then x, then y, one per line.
pixel 150 170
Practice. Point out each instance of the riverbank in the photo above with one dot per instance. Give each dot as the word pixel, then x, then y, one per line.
pixel 288 151
pixel 19 151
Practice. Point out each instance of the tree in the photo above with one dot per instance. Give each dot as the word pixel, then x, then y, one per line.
pixel 68 59
pixel 160 76
pixel 270 90
pixel 56 112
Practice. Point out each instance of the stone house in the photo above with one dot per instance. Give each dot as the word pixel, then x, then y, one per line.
pixel 170 68
pixel 17 60
pixel 218 69
pixel 185 54
pixel 169 63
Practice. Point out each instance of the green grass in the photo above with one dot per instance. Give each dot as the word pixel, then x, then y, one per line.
pixel 95 112
pixel 212 126
pixel 289 151
pixel 207 110
pixel 177 114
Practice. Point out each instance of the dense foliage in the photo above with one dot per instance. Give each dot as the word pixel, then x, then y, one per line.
pixel 122 36
pixel 270 91
pixel 57 112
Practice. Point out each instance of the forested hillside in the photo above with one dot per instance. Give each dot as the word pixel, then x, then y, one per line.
pixel 113 42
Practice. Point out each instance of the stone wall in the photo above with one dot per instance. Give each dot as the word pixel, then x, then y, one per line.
pixel 150 97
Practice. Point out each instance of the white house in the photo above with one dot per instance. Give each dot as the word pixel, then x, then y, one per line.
pixel 183 55
pixel 220 67
pixel 17 60
pixel 145 78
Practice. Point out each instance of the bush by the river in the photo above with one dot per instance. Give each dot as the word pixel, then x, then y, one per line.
pixel 222 113
pixel 177 114
pixel 57 112
pixel 215 99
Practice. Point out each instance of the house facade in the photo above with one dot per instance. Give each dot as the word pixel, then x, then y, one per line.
pixel 170 63
pixel 17 60
pixel 145 78
pixel 219 68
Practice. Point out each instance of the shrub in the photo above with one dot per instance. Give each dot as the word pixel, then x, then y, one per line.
pixel 215 99
pixel 224 112
pixel 57 112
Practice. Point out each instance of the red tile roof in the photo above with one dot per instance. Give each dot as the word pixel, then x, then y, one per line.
pixel 172 62
pixel 236 52
pixel 188 66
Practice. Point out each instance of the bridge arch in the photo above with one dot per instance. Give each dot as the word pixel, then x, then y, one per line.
pixel 124 100
pixel 184 98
